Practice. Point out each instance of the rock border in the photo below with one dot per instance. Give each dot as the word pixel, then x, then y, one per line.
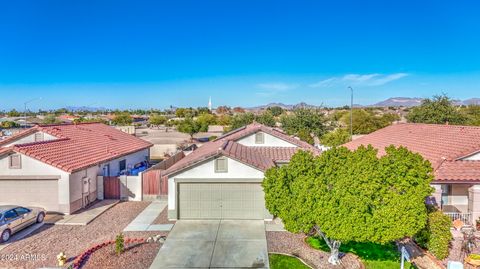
pixel 80 260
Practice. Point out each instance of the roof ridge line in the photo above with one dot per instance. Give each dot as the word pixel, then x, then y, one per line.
pixel 42 142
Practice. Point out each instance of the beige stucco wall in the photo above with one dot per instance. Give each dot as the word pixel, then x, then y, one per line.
pixel 474 157
pixel 30 139
pixel 78 198
pixel 206 170
pixel 33 167
pixel 269 141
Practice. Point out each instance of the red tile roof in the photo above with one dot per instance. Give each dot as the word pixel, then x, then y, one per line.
pixel 259 157
pixel 442 145
pixel 79 146
pixel 458 171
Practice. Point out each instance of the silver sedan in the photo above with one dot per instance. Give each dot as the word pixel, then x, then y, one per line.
pixel 15 218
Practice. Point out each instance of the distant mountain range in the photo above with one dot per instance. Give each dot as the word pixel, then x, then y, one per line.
pixel 394 101
pixel 284 106
pixel 84 108
pixel 410 102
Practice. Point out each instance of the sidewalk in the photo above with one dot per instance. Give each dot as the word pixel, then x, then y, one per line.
pixel 143 222
pixel 85 216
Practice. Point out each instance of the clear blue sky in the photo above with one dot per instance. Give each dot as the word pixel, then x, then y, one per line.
pixel 143 54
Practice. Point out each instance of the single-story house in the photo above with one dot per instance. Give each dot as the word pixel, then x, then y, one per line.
pixel 453 151
pixel 56 166
pixel 222 178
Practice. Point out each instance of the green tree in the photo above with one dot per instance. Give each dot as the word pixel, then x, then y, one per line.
pixel 13 113
pixel 205 120
pixel 122 118
pixel 346 195
pixel 275 110
pixel 189 126
pixel 240 120
pixel 335 138
pixel 305 136
pixel 311 120
pixel 50 119
pixel 365 121
pixel 438 110
pixel 472 114
pixel 9 124
pixel 266 118
pixel 157 120
pixel 436 236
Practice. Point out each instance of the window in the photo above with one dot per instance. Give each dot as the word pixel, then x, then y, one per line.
pixel 259 138
pixel 221 165
pixel 38 137
pixel 15 161
pixel 10 215
pixel 22 210
pixel 122 165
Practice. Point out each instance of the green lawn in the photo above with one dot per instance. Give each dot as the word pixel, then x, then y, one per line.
pixel 374 256
pixel 278 261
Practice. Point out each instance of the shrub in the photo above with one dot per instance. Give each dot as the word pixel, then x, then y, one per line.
pixel 119 244
pixel 436 235
pixel 211 138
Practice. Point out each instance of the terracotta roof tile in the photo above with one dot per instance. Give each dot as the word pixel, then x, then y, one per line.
pixel 458 171
pixel 260 157
pixel 81 145
pixel 442 145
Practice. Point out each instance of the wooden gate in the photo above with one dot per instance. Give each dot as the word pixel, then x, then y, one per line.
pixel 154 183
pixel 111 187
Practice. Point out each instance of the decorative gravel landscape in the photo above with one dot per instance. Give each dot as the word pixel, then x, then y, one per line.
pixel 49 240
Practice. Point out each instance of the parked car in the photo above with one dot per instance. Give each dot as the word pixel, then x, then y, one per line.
pixel 15 218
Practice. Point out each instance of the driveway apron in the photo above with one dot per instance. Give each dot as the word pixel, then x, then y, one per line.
pixel 214 244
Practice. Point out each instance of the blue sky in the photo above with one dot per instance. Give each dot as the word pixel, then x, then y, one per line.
pixel 144 54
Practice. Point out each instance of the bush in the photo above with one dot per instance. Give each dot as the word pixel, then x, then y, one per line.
pixel 211 138
pixel 436 236
pixel 119 244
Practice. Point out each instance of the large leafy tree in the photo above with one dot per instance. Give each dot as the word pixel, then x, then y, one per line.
pixel 366 121
pixel 189 126
pixel 438 110
pixel 239 120
pixel 312 121
pixel 156 119
pixel 266 118
pixel 122 119
pixel 347 195
pixel 337 137
pixel 472 113
pixel 275 110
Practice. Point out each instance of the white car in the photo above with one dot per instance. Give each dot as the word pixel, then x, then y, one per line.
pixel 15 218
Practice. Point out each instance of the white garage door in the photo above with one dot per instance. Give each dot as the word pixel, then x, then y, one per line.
pixel 42 193
pixel 221 201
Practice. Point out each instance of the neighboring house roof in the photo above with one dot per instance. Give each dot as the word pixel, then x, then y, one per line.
pixel 21 134
pixel 79 146
pixel 259 157
pixel 442 145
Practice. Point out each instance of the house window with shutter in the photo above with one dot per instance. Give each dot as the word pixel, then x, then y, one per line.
pixel 122 165
pixel 221 165
pixel 15 161
pixel 38 137
pixel 259 138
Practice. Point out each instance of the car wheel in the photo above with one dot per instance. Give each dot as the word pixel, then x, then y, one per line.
pixel 40 217
pixel 5 236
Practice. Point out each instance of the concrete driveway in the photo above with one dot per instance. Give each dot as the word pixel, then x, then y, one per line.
pixel 214 244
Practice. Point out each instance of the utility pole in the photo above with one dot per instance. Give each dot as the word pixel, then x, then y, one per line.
pixel 351 112
pixel 25 110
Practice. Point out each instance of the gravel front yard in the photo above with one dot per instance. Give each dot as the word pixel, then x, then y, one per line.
pixel 163 218
pixel 41 248
pixel 294 244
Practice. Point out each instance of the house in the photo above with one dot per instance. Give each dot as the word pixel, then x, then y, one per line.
pixel 453 151
pixel 222 178
pixel 56 166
